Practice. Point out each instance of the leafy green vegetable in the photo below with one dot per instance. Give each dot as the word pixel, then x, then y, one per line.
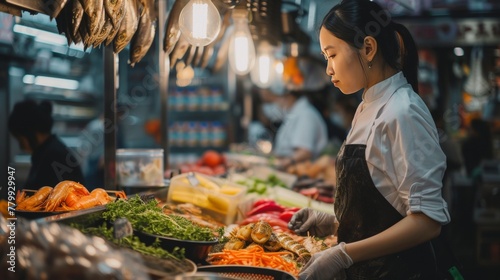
pixel 133 242
pixel 260 186
pixel 149 218
pixel 275 181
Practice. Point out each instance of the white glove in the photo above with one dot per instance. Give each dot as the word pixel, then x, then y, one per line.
pixel 318 224
pixel 326 264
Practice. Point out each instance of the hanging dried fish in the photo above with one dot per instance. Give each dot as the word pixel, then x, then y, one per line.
pixel 114 30
pixel 87 39
pixel 142 40
pixel 128 26
pixel 93 12
pixel 172 31
pixel 76 16
pixel 112 8
pixel 104 32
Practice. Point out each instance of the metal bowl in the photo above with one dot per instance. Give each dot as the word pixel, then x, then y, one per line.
pixel 247 272
pixel 197 251
pixel 202 276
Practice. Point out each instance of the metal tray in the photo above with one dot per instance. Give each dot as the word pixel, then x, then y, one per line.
pixel 196 251
pixel 247 272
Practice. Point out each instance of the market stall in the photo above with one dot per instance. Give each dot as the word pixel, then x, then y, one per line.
pixel 197 200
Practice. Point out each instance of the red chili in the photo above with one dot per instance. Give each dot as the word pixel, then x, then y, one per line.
pixel 292 209
pixel 326 199
pixel 286 216
pixel 267 207
pixel 272 220
pixel 262 201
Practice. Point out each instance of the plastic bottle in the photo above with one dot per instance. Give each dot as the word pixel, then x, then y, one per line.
pixel 204 134
pixel 179 100
pixel 218 134
pixel 192 134
pixel 204 98
pixel 192 99
pixel 217 100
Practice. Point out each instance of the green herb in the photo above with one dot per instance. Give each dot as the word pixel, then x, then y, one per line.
pixel 149 218
pixel 260 186
pixel 275 181
pixel 133 242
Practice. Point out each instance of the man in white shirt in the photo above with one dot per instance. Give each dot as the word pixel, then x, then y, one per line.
pixel 303 134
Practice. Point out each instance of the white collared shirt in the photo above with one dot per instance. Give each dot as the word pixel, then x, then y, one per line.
pixel 304 128
pixel 403 154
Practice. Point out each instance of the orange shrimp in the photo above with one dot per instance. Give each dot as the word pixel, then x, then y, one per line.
pixel 72 199
pixel 20 196
pixel 96 197
pixel 61 191
pixel 34 202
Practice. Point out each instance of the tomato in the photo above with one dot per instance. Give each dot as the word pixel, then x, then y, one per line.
pixel 211 158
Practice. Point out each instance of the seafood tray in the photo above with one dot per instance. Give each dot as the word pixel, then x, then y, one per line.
pixel 247 272
pixel 34 214
pixel 157 268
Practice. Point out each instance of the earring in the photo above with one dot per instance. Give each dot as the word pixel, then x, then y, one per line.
pixel 369 65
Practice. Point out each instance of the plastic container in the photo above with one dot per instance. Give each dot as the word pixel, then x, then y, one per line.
pixel 216 197
pixel 139 167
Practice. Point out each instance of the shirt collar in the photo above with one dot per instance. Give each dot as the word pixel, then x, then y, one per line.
pixel 388 85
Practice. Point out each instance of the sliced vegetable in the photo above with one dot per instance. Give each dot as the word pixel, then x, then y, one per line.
pixel 266 207
pixel 262 201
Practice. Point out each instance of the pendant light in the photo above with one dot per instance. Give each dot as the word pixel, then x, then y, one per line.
pixel 241 47
pixel 264 71
pixel 200 22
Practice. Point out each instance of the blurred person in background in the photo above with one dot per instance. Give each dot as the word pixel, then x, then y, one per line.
pixel 51 161
pixel 303 134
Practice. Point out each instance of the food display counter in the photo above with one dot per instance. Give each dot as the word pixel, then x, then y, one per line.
pixel 232 225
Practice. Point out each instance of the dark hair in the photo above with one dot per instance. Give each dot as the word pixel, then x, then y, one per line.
pixel 28 118
pixel 353 20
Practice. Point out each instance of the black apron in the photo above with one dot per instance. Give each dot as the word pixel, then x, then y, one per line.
pixel 362 212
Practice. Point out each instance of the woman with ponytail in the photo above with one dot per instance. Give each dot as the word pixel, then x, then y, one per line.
pixel 388 203
pixel 51 161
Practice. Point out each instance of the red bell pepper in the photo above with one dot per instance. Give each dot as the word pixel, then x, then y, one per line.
pixel 262 201
pixel 292 209
pixel 266 207
pixel 271 219
pixel 286 216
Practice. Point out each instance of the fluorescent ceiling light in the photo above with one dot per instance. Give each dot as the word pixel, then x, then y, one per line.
pixel 29 79
pixel 56 82
pixel 41 35
pixel 51 82
pixel 47 37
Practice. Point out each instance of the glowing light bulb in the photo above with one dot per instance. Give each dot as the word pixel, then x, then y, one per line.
pixel 241 47
pixel 264 71
pixel 199 22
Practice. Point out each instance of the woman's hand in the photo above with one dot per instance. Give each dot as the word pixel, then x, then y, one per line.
pixel 326 264
pixel 317 223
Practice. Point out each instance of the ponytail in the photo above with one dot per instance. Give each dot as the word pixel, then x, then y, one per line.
pixel 408 55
